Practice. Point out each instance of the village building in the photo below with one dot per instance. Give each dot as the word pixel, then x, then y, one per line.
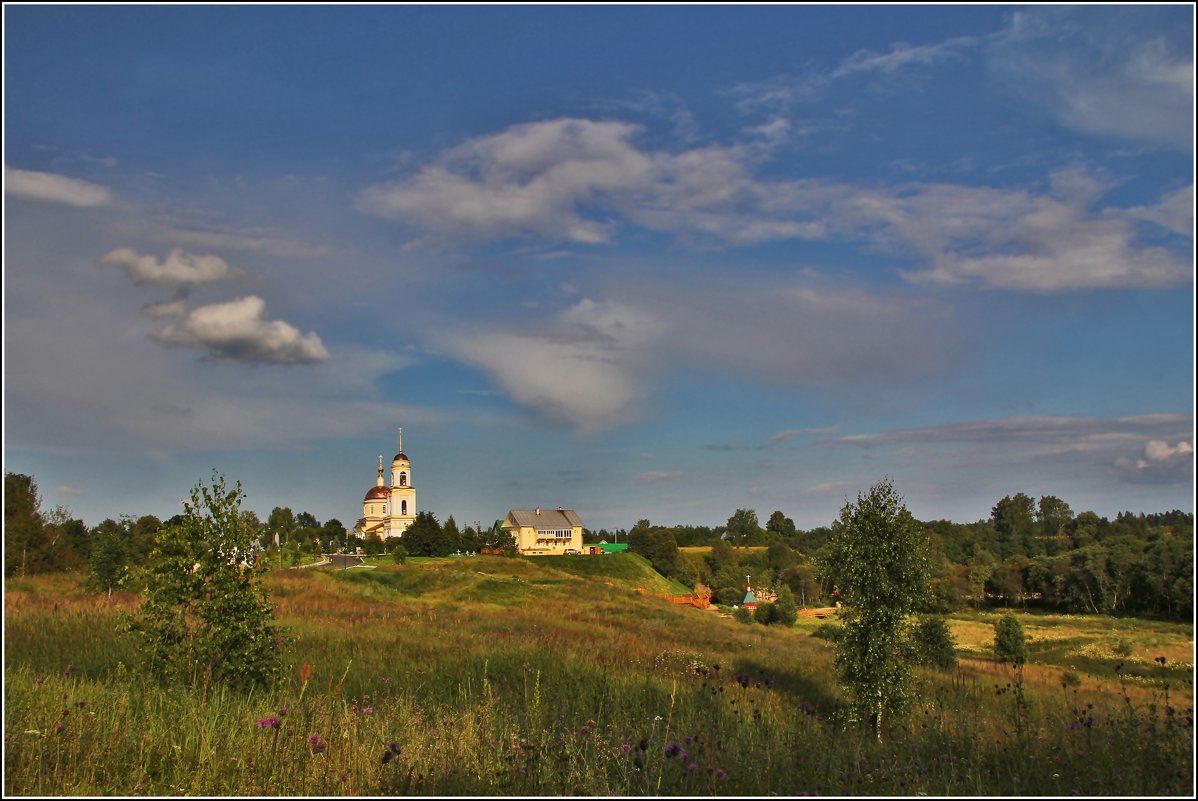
pixel 389 511
pixel 544 532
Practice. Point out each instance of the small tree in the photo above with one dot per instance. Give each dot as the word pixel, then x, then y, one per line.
pixel 877 559
pixel 205 616
pixel 399 554
pixel 1010 643
pixel 743 615
pixel 933 643
pixel 785 611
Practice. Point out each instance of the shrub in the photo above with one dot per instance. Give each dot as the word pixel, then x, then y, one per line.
pixel 933 643
pixel 828 631
pixel 1010 643
pixel 1123 648
pixel 743 615
pixel 399 554
pixel 766 613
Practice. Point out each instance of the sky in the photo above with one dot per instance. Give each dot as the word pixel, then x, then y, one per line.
pixel 645 262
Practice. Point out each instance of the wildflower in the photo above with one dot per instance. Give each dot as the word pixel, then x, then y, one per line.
pixel 692 767
pixel 283 711
pixel 583 729
pixel 720 773
pixel 625 747
pixel 673 749
pixel 806 708
pixel 317 744
pixel 60 728
pixel 367 710
pixel 643 745
pixel 743 679
pixel 1161 660
pixel 270 722
pixel 1119 667
pixel 657 717
pixel 81 704
pixel 768 682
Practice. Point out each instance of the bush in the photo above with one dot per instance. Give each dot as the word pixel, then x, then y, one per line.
pixel 828 631
pixel 399 554
pixel 1123 648
pixel 743 615
pixel 1010 643
pixel 766 613
pixel 933 643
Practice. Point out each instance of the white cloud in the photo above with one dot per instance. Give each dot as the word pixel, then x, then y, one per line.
pixel 580 369
pixel 1019 240
pixel 1175 212
pixel 1107 81
pixel 179 270
pixel 1160 463
pixel 239 331
pixel 577 179
pixel 52 188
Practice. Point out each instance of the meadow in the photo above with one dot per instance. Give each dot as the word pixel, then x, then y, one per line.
pixel 502 676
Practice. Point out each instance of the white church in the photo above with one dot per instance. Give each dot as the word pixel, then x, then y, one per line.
pixel 389 511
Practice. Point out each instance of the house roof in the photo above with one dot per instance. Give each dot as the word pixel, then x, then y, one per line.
pixel 547 519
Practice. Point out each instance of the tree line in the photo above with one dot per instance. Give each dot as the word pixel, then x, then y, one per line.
pixel 1032 554
pixel 39 541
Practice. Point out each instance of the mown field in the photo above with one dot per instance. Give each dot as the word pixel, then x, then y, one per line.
pixel 496 676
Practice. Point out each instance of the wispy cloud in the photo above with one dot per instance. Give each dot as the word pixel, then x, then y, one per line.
pixel 53 188
pixel 658 476
pixel 905 55
pixel 1099 79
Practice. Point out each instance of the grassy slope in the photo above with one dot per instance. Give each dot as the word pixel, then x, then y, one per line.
pixel 498 676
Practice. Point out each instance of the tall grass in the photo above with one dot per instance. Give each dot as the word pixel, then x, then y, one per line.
pixel 495 677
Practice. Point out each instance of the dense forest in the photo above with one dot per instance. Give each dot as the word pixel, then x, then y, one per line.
pixel 1028 554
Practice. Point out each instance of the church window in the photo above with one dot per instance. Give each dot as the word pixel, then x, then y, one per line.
pixel 403 507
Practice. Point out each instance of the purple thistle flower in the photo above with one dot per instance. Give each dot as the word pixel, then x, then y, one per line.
pixel 283 711
pixel 743 679
pixel 318 745
pixel 81 704
pixel 367 710
pixel 720 773
pixel 692 767
pixel 1161 660
pixel 271 722
pixel 673 749
pixel 60 728
pixel 625 747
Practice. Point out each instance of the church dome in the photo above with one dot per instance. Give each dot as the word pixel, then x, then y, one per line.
pixel 399 457
pixel 376 494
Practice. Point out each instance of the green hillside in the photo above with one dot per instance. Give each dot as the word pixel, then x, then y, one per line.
pixel 500 580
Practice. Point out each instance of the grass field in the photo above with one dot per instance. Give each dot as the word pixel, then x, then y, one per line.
pixel 497 676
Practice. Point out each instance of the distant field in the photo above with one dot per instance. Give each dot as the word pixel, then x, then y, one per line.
pixel 504 676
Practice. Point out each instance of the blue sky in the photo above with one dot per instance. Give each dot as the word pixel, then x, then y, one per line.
pixel 645 262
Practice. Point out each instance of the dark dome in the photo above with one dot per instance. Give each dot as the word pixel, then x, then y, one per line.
pixel 376 494
pixel 400 456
